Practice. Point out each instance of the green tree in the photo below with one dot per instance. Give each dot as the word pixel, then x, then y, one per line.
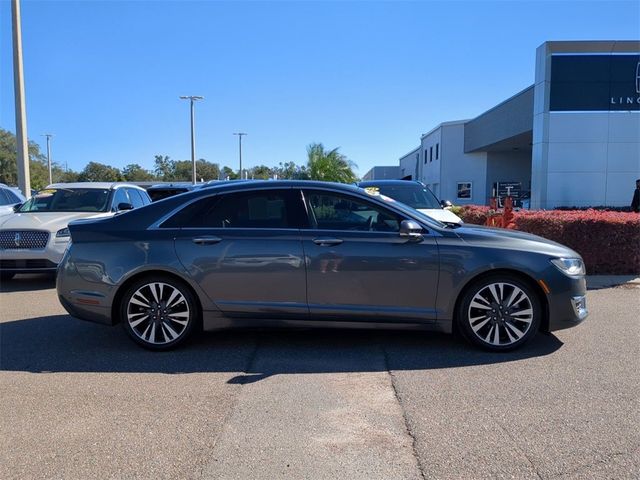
pixel 135 173
pixel 164 168
pixel 260 172
pixel 98 172
pixel 65 176
pixel 329 166
pixel 38 168
pixel 228 173
pixel 205 170
pixel 291 171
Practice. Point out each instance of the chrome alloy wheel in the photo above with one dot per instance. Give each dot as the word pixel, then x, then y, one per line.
pixel 500 314
pixel 158 313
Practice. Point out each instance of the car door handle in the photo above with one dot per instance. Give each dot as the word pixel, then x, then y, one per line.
pixel 206 240
pixel 327 242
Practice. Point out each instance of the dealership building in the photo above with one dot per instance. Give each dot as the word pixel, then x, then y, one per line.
pixel 570 139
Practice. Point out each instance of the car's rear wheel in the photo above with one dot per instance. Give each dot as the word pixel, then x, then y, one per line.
pixel 158 313
pixel 499 313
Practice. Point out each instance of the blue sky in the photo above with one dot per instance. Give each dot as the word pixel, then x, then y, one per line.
pixel 369 77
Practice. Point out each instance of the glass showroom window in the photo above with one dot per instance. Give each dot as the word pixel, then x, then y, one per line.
pixel 464 190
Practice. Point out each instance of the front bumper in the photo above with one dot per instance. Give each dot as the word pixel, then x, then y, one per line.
pixel 567 301
pixel 44 260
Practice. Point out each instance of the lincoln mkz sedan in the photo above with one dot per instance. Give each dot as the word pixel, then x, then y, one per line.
pixel 279 253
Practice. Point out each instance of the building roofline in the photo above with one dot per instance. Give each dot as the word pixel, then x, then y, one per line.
pixel 410 152
pixel 443 124
pixel 592 46
pixel 530 87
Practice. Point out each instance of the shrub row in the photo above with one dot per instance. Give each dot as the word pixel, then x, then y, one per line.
pixel 608 241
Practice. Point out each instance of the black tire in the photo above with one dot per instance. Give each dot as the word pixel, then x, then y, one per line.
pixel 499 313
pixel 159 312
pixel 6 276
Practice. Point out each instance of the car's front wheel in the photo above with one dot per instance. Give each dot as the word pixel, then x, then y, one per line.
pixel 499 313
pixel 158 313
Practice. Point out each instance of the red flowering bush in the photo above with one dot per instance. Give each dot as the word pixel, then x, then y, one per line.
pixel 475 214
pixel 608 241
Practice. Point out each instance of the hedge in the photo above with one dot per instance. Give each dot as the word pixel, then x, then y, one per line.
pixel 609 242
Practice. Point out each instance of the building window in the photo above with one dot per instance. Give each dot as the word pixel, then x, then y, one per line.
pixel 437 150
pixel 426 155
pixel 431 154
pixel 464 190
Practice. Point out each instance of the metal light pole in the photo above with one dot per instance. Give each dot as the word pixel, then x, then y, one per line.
pixel 49 135
pixel 240 135
pixel 192 99
pixel 24 180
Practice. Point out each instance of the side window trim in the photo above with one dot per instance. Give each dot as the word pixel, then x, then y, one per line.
pixel 294 210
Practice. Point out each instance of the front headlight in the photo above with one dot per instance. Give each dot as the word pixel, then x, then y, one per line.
pixel 63 232
pixel 574 267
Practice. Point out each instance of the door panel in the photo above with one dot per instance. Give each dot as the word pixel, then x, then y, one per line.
pixel 247 271
pixel 241 248
pixel 371 276
pixel 358 266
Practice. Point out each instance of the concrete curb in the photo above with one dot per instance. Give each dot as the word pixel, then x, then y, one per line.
pixel 595 282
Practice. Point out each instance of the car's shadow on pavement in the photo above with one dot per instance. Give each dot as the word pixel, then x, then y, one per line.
pixel 29 283
pixel 62 344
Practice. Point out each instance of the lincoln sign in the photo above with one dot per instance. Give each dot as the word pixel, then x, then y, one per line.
pixel 602 82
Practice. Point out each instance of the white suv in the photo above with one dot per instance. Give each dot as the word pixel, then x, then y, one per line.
pixel 33 240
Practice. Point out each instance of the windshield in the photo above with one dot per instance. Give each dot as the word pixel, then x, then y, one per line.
pixel 416 196
pixel 68 200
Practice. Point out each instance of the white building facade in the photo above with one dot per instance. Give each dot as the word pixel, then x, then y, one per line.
pixel 571 139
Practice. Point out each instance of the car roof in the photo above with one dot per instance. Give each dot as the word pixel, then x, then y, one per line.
pixel 172 185
pixel 239 185
pixel 373 183
pixel 101 185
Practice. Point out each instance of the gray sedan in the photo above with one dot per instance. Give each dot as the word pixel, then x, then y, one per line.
pixel 313 254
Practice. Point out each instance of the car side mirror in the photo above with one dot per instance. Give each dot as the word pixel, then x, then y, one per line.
pixel 446 203
pixel 410 230
pixel 17 206
pixel 124 206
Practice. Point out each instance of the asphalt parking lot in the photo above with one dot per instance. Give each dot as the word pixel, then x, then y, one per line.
pixel 82 401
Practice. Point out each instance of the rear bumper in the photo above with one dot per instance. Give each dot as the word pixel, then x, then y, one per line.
pixel 90 313
pixel 90 301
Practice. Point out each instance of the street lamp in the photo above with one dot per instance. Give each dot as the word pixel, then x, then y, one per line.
pixel 192 99
pixel 22 152
pixel 49 135
pixel 240 135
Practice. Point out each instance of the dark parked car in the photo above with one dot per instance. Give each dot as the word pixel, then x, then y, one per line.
pixel 165 190
pixel 314 254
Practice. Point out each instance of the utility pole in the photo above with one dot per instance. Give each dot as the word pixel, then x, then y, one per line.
pixel 193 99
pixel 49 135
pixel 22 159
pixel 240 135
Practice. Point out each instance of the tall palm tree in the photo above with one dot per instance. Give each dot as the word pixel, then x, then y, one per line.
pixel 329 166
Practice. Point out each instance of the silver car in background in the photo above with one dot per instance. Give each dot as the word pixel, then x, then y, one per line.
pixel 278 253
pixel 9 198
pixel 34 238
